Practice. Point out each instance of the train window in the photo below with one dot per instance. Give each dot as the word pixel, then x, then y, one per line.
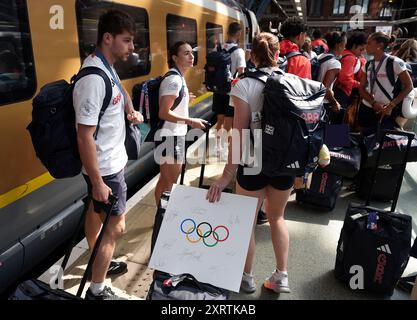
pixel 214 36
pixel 182 29
pixel 88 14
pixel 17 70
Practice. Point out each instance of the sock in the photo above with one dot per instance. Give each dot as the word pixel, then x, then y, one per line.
pixel 247 274
pixel 281 272
pixel 96 288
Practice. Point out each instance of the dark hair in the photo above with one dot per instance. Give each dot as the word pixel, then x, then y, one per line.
pixel 292 27
pixel 233 29
pixel 264 48
pixel 356 39
pixel 316 34
pixel 115 22
pixel 173 51
pixel 381 37
pixel 334 38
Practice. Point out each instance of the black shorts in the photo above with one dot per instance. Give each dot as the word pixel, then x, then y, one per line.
pixel 118 186
pixel 260 181
pixel 174 147
pixel 221 105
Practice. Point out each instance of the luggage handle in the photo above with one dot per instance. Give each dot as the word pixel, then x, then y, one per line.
pixel 113 200
pixel 383 133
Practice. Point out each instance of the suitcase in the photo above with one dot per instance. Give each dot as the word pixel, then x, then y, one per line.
pixel 323 192
pixel 374 244
pixel 184 286
pixel 33 289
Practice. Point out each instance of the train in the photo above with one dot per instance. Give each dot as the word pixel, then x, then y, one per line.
pixel 44 41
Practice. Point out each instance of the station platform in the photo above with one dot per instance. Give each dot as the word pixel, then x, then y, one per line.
pixel 313 241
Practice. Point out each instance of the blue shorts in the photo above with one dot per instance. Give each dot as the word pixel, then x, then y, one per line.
pixel 116 182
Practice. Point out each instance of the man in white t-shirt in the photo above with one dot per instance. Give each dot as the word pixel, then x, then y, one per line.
pixel 221 102
pixel 101 144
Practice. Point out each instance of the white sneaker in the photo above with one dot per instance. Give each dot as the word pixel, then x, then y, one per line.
pixel 278 282
pixel 248 283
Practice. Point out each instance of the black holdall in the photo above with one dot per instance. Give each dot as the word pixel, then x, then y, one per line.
pixel 393 148
pixel 374 244
pixel 345 161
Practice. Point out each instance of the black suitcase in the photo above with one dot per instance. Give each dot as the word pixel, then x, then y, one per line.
pixel 166 286
pixel 374 244
pixel 323 192
pixel 33 289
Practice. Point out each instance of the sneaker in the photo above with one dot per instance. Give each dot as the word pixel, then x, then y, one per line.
pixel 262 218
pixel 116 267
pixel 248 283
pixel 278 282
pixel 106 294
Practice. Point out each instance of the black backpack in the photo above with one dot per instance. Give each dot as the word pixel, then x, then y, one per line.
pixel 53 132
pixel 292 123
pixel 145 99
pixel 283 61
pixel 316 65
pixel 319 49
pixel 217 70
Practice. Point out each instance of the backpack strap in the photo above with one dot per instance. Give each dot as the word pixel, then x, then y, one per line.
pixel 325 59
pixel 109 90
pixel 390 70
pixel 180 94
pixel 232 49
pixel 258 75
pixel 293 54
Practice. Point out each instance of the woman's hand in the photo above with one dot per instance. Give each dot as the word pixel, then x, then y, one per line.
pixel 386 110
pixel 215 191
pixel 336 107
pixel 197 123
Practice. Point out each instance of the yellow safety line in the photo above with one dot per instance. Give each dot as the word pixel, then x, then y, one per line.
pixel 34 184
pixel 24 190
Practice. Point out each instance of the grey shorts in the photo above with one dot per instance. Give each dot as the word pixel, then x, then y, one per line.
pixel 116 182
pixel 174 147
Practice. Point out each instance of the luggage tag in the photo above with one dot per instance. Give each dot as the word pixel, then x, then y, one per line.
pixel 372 221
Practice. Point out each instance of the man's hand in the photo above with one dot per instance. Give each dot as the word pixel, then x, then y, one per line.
pixel 135 117
pixel 101 192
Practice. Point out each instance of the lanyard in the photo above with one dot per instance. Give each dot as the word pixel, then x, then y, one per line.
pixel 116 80
pixel 374 73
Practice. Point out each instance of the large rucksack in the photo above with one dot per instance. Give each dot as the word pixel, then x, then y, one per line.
pixel 218 74
pixel 145 99
pixel 53 132
pixel 292 123
pixel 319 49
pixel 316 65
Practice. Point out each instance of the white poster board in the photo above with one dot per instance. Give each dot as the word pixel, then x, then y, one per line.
pixel 208 240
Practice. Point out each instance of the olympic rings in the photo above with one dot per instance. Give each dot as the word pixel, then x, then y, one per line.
pixel 203 234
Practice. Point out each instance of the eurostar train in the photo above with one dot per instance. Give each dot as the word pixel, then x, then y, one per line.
pixel 44 41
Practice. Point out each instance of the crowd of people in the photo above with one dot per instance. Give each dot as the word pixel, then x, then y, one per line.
pixel 342 69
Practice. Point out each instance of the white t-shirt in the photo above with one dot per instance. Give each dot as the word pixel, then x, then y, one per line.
pixel 171 86
pixel 237 57
pixel 379 96
pixel 326 66
pixel 88 96
pixel 251 91
pixel 310 55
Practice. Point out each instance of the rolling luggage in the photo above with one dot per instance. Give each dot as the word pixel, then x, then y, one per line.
pixel 34 289
pixel 323 192
pixel 374 244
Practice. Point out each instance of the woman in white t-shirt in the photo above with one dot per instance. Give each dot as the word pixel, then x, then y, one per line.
pixel 329 70
pixel 376 105
pixel 247 99
pixel 170 148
